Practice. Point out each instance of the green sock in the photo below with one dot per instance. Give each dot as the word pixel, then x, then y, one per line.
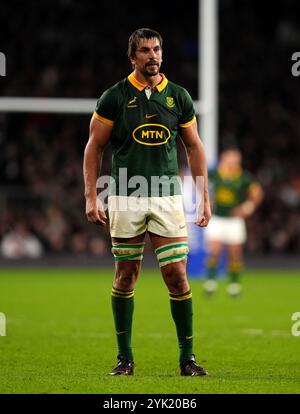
pixel 211 268
pixel 234 272
pixel 123 306
pixel 182 312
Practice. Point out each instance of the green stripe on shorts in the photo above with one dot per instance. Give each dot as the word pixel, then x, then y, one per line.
pixel 129 257
pixel 178 256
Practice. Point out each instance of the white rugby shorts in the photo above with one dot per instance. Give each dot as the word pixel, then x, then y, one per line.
pixel 131 216
pixel 228 230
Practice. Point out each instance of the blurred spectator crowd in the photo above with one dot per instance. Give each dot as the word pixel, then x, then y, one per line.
pixel 70 51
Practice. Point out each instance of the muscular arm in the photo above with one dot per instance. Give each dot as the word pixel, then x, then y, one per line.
pixel 197 163
pixel 98 139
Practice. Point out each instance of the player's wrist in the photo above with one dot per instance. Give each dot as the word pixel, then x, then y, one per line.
pixel 206 195
pixel 90 195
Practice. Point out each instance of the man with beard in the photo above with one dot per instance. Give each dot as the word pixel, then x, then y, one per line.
pixel 142 116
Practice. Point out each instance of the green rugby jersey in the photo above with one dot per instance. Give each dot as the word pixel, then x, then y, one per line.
pixel 144 133
pixel 228 192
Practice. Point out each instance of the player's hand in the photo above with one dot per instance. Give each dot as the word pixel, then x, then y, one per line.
pixel 203 214
pixel 94 211
pixel 244 210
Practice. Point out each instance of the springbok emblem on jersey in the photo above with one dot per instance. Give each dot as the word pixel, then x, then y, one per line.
pixel 132 103
pixel 170 101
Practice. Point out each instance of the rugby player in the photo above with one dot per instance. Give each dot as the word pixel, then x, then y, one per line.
pixel 141 117
pixel 236 195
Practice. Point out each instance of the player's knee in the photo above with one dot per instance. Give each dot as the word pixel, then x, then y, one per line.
pixel 214 252
pixel 126 274
pixel 178 285
pixel 175 277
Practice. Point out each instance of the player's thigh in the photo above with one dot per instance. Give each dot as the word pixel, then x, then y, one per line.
pixel 235 252
pixel 128 268
pixel 159 241
pixel 173 265
pixel 130 240
pixel 215 247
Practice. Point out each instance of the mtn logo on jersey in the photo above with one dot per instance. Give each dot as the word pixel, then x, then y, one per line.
pixel 151 134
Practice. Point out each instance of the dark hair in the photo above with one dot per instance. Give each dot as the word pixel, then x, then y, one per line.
pixel 230 143
pixel 141 34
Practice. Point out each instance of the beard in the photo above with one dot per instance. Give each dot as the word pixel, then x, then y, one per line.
pixel 151 69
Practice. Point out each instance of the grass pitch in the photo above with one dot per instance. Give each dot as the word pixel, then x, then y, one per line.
pixel 60 336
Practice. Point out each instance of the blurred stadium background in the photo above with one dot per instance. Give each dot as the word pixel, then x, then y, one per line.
pixel 68 49
pixel 72 49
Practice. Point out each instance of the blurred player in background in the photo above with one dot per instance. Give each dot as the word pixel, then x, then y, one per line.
pixel 141 116
pixel 235 195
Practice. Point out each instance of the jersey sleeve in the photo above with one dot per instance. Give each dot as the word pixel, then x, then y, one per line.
pixel 106 107
pixel 188 111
